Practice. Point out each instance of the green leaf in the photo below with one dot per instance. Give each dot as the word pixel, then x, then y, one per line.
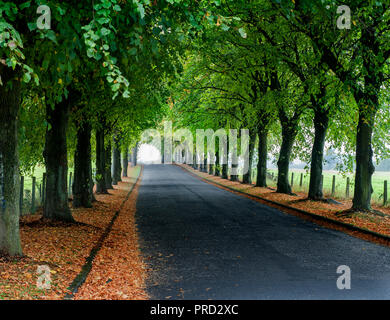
pixel 106 4
pixel 105 31
pixel 25 5
pixel 32 26
pixel 242 33
pixel 52 36
pixel 141 10
pixel 45 64
pixel 103 20
pixel 26 77
pixel 116 87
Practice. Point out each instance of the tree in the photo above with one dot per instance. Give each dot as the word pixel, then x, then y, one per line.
pixel 359 57
pixel 9 163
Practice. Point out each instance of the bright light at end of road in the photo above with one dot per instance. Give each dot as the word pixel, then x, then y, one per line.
pixel 149 154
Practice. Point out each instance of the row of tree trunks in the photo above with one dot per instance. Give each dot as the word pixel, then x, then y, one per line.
pixel 222 170
pixel 10 99
pixel 366 93
pixel 56 205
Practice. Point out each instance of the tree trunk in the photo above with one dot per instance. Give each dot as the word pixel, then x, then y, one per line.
pixel 205 164
pixel 217 166
pixel 108 160
pixel 364 166
pixel 321 121
pixel 288 137
pixel 225 159
pixel 224 171
pixel 194 160
pixel 211 163
pixel 116 162
pixel 247 177
pixel 125 162
pixel 162 151
pixel 368 103
pixel 233 175
pixel 56 161
pixel 261 180
pixel 10 98
pixel 234 165
pixel 185 155
pixel 100 163
pixel 198 162
pixel 83 183
pixel 136 154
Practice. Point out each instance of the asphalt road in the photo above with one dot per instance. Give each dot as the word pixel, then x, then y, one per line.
pixel 202 242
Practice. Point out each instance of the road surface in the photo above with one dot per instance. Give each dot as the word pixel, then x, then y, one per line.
pixel 202 242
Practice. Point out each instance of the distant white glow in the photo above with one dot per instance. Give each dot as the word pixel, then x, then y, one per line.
pixel 149 154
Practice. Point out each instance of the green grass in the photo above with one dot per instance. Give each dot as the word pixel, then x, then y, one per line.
pixel 378 180
pixel 341 183
pixel 38 174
